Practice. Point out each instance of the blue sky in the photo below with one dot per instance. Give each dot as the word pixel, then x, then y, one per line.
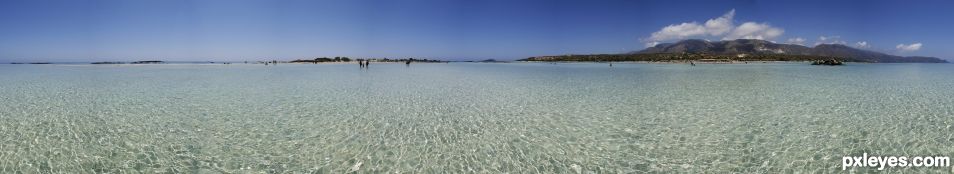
pixel 217 30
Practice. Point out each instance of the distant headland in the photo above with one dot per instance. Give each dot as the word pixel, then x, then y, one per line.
pixel 743 50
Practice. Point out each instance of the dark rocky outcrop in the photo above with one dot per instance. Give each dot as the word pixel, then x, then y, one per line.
pixel 831 62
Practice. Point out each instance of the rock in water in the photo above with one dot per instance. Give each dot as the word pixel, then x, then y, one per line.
pixel 356 167
pixel 831 62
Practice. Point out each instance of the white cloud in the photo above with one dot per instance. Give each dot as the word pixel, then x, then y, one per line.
pixel 824 38
pixel 830 40
pixel 912 47
pixel 862 44
pixel 680 31
pixel 720 26
pixel 796 41
pixel 717 26
pixel 752 30
pixel 652 44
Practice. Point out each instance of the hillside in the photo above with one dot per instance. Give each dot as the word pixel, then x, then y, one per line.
pixel 745 50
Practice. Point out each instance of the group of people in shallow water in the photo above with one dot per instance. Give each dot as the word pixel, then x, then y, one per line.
pixel 364 64
pixel 274 62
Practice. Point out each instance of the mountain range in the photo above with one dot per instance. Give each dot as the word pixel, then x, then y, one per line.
pixel 754 47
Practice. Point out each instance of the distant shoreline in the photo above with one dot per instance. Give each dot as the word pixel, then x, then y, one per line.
pixel 395 62
pixel 196 63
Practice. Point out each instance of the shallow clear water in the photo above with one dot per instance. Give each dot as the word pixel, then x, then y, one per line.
pixel 460 117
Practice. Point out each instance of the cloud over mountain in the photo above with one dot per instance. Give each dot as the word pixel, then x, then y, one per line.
pixel 830 40
pixel 906 48
pixel 862 44
pixel 796 41
pixel 752 30
pixel 712 27
pixel 722 26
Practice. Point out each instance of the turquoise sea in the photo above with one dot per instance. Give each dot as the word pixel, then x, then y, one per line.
pixel 470 117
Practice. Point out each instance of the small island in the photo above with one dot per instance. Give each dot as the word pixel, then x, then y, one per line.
pixel 148 62
pixel 322 59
